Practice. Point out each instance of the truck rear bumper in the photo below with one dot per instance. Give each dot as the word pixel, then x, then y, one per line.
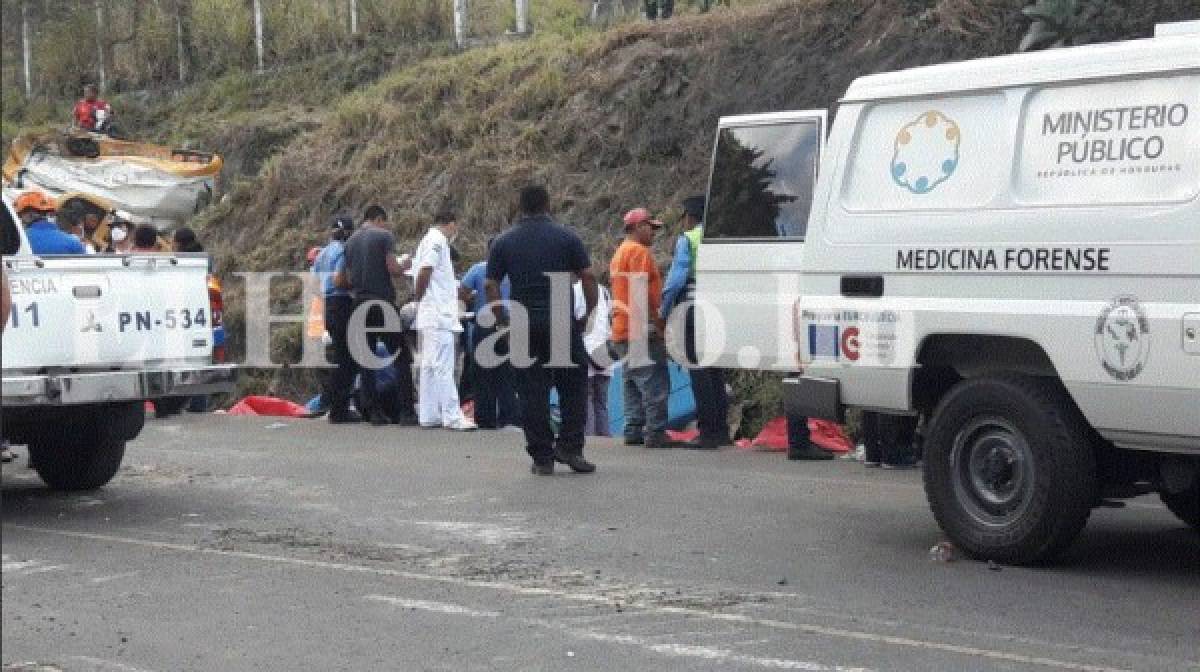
pixel 90 388
pixel 813 397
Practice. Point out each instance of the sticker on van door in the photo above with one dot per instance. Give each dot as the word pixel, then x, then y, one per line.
pixel 926 152
pixel 1122 338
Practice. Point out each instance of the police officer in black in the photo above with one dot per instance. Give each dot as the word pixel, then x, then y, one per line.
pixel 528 254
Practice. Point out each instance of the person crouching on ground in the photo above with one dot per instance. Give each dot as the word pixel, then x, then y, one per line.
pixel 439 325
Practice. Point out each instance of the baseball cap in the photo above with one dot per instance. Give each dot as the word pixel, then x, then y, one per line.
pixel 694 206
pixel 34 200
pixel 342 223
pixel 639 215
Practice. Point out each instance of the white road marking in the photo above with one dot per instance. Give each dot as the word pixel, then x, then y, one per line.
pixel 8 565
pixel 668 648
pixel 25 567
pixel 103 664
pixel 438 607
pixel 114 577
pixel 810 628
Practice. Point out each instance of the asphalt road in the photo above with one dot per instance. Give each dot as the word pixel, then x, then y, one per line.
pixel 256 544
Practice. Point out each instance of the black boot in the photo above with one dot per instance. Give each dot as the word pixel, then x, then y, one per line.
pixel 807 451
pixel 575 461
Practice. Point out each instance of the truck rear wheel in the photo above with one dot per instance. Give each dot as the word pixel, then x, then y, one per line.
pixel 1010 472
pixel 85 452
pixel 80 464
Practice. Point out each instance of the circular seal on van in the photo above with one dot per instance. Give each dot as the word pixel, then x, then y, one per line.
pixel 926 152
pixel 1122 338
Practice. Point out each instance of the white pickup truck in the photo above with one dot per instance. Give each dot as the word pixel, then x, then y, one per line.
pixel 1006 249
pixel 88 339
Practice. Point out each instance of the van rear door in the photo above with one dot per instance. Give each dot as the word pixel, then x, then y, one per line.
pixel 760 192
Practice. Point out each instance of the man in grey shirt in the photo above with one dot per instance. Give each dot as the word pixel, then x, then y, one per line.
pixel 370 266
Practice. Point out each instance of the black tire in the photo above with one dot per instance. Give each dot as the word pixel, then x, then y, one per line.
pixel 86 452
pixel 1010 472
pixel 1185 505
pixel 165 407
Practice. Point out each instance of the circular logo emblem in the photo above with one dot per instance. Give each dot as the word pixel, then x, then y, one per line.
pixel 850 344
pixel 926 152
pixel 1122 338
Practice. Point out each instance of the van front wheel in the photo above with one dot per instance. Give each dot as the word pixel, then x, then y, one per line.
pixel 1185 505
pixel 1010 473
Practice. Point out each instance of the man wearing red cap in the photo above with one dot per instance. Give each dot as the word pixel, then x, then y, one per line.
pixel 637 332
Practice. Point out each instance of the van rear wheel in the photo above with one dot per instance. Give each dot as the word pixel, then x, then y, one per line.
pixel 1010 472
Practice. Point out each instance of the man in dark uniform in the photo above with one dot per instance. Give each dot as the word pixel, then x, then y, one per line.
pixel 369 268
pixel 533 248
pixel 338 306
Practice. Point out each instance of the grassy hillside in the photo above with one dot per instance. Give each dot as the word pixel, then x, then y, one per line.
pixel 607 120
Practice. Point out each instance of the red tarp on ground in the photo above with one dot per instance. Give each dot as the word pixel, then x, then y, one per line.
pixel 272 406
pixel 773 437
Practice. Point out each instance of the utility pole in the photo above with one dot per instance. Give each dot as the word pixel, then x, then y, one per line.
pixel 258 33
pixel 354 17
pixel 100 46
pixel 522 13
pixel 460 23
pixel 25 50
pixel 181 56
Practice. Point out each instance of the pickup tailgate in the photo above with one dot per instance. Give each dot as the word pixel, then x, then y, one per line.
pixel 101 312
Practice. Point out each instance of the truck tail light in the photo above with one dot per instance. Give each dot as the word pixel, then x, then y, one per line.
pixel 216 308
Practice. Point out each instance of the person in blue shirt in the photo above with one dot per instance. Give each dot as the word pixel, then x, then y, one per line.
pixel 708 384
pixel 495 396
pixel 338 307
pixel 35 208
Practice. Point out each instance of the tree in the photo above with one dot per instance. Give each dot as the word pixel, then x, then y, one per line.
pixel 258 33
pixel 182 13
pixel 1058 23
pixel 106 39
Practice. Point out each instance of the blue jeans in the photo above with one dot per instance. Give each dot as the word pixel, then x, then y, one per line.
pixel 597 409
pixel 645 390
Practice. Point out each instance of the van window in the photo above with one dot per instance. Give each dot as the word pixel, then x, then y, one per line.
pixel 762 181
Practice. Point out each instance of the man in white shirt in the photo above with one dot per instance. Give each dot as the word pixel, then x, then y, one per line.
pixel 600 366
pixel 438 324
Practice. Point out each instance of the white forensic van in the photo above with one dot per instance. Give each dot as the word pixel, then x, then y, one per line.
pixel 1007 248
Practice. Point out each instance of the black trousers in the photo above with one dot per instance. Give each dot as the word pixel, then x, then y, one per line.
pixel 708 387
pixel 340 386
pixel 533 385
pixel 403 400
pixel 798 432
pixel 496 403
pixel 888 438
